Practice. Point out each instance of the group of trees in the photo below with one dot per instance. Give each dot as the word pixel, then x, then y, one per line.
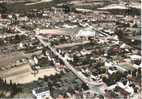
pixel 3 8
pixel 112 79
pixel 123 76
pixel 1 42
pixel 136 74
pixel 11 87
pixel 60 82
pixel 13 39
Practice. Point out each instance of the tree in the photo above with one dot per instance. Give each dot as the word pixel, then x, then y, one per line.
pixel 17 39
pixel 101 97
pixel 91 40
pixel 66 8
pixel 2 95
pixel 11 82
pixel 103 70
pixel 84 86
pixel 1 42
pixel 134 73
pixel 3 8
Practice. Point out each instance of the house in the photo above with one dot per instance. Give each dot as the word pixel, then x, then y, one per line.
pixel 86 32
pixel 41 93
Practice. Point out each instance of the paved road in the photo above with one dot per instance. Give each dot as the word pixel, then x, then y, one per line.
pixel 72 44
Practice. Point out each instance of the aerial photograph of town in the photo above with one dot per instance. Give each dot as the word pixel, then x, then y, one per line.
pixel 70 49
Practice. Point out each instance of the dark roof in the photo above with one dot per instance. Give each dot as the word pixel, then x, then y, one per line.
pixel 41 89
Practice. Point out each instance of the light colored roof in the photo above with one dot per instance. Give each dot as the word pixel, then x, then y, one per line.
pixel 84 10
pixel 60 31
pixel 135 5
pixel 126 87
pixel 114 6
pixel 41 1
pixel 86 32
pixel 135 57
